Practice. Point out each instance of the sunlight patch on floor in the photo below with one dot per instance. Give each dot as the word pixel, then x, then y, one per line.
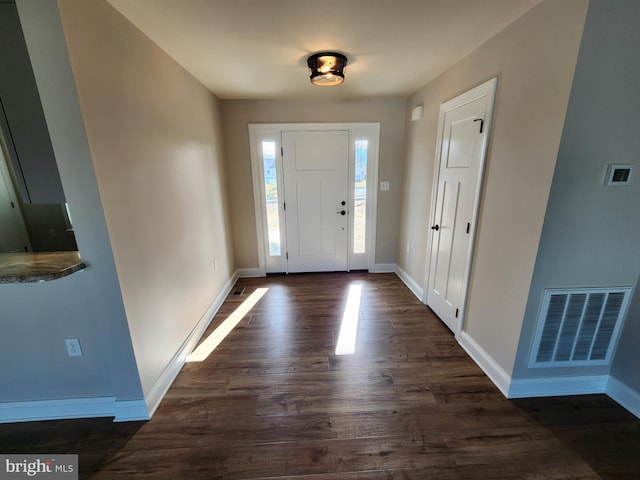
pixel 349 328
pixel 225 328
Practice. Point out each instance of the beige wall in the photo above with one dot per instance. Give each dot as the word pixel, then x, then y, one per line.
pixel 237 114
pixel 534 59
pixel 155 138
pixel 37 317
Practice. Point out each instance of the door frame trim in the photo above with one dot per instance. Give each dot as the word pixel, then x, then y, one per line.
pixel 487 89
pixel 257 131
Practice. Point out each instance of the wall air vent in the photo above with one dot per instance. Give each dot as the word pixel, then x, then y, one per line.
pixel 578 327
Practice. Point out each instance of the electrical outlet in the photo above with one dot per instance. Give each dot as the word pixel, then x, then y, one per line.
pixel 384 186
pixel 73 347
pixel 408 247
pixel 52 232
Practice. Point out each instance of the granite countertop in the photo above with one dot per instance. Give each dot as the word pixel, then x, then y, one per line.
pixel 38 267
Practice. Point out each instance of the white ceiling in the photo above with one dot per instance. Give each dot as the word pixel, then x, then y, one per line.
pixel 257 49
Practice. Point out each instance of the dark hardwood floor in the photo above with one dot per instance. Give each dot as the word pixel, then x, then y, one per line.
pixel 274 401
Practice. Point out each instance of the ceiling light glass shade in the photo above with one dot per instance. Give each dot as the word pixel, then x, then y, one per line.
pixel 327 68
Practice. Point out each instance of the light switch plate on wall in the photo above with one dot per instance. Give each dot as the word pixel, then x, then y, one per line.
pixel 73 347
pixel 618 175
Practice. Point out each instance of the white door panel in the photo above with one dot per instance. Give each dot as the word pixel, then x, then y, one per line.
pixel 316 174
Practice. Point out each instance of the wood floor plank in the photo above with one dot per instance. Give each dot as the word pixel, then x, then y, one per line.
pixel 273 401
pixel 178 463
pixel 228 365
pixel 327 382
pixel 229 431
pixel 188 406
pixel 309 458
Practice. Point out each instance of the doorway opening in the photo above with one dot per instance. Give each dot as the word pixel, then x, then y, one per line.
pixel 13 231
pixel 315 195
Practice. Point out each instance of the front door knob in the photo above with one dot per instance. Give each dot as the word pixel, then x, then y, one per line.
pixel 342 212
pixel 435 227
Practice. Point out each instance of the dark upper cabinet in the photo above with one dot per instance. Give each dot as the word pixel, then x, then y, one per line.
pixel 22 119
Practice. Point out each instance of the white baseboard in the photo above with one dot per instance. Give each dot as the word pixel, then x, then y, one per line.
pixel 250 273
pixel 550 386
pixel 530 387
pixel 414 286
pixel 534 387
pixel 160 387
pixel 131 410
pixel 489 366
pixel 56 409
pixel 624 395
pixel 557 386
pixel 34 411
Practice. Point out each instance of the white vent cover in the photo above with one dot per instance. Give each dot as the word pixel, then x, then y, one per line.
pixel 578 327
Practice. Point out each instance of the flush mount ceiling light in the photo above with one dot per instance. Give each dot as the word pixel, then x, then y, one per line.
pixel 327 68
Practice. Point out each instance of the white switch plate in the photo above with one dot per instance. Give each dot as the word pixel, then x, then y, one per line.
pixel 618 175
pixel 73 347
pixel 384 186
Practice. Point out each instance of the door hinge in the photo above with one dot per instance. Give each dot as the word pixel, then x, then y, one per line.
pixel 284 205
pixel 281 152
pixel 468 227
pixel 287 255
pixel 12 205
pixel 481 123
pixel 457 312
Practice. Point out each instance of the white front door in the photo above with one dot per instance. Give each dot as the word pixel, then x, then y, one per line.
pixel 316 197
pixel 463 133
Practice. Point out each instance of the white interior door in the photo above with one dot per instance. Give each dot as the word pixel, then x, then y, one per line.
pixel 316 196
pixel 13 233
pixel 463 133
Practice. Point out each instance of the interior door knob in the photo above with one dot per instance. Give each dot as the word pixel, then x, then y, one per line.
pixel 342 212
pixel 435 227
